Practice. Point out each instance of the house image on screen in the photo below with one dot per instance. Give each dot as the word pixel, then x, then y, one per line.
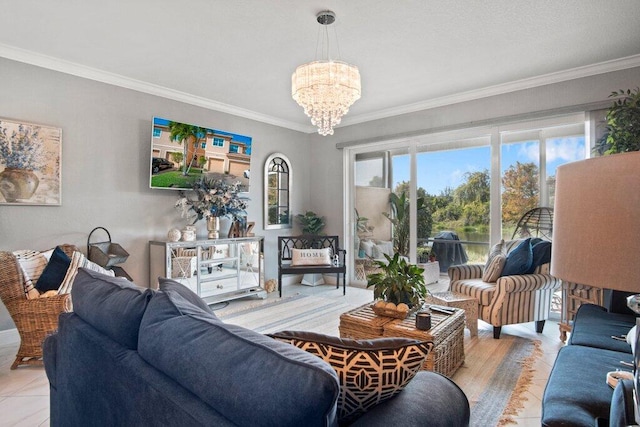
pixel 219 154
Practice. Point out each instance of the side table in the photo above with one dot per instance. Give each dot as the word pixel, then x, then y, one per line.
pixel 456 300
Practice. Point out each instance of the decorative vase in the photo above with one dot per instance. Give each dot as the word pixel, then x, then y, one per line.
pixel 18 184
pixel 189 233
pixel 213 227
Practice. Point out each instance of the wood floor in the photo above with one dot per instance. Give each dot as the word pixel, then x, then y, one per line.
pixel 24 393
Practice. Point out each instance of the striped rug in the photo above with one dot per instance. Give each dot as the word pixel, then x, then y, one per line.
pixel 495 375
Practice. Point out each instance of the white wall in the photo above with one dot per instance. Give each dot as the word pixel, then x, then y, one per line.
pixel 106 145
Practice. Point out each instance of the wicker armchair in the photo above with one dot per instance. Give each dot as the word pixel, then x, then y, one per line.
pixel 509 300
pixel 35 318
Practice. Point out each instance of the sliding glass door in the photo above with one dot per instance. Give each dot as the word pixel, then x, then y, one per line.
pixel 453 194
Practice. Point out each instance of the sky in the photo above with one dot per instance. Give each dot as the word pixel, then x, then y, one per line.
pixel 440 169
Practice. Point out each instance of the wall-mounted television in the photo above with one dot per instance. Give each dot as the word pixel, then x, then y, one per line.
pixel 182 153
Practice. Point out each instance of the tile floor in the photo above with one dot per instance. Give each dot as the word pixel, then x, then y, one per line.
pixel 24 392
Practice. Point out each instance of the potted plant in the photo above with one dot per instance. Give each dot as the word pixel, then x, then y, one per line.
pixel 398 281
pixel 623 124
pixel 311 223
pixel 21 153
pixel 399 217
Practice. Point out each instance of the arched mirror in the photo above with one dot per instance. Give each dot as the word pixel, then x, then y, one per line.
pixel 277 192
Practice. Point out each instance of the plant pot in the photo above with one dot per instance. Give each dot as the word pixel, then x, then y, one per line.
pixel 18 184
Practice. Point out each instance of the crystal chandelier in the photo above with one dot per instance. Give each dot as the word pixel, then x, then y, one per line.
pixel 326 88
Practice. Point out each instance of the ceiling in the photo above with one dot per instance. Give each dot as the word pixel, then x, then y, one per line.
pixel 238 56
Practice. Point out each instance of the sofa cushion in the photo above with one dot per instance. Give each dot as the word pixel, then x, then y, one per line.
pixel 53 274
pixel 519 260
pixel 370 371
pixel 593 326
pixel 476 288
pixel 577 392
pixel 446 405
pixel 493 271
pixel 112 305
pixel 249 378
pixel 186 293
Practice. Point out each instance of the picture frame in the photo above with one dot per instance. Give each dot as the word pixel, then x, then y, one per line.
pixel 30 164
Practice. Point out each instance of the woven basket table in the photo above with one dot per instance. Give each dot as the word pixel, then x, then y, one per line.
pixel 446 333
pixel 456 300
pixel 362 323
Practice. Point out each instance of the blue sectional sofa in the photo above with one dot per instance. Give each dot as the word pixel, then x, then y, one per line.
pixel 131 356
pixel 577 393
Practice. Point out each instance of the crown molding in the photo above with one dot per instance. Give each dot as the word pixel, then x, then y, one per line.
pixel 542 80
pixel 68 67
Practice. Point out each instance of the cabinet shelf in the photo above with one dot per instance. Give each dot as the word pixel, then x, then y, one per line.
pixel 217 270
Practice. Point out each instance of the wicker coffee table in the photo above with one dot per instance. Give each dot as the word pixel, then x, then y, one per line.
pixel 464 302
pixel 446 333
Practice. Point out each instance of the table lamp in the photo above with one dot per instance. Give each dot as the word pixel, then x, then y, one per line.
pixel 596 232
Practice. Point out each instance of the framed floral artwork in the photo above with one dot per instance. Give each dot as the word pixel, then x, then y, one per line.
pixel 30 164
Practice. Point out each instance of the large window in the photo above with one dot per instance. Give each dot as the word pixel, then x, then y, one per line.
pixel 456 187
pixel 469 186
pixel 528 167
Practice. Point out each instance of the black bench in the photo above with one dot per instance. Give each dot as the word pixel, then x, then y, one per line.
pixel 286 244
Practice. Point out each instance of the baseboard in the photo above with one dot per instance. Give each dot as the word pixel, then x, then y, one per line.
pixel 9 337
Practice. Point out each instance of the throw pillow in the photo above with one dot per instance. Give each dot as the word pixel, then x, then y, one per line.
pixel 377 252
pixel 491 273
pixel 367 247
pixel 386 247
pixel 311 257
pixel 519 260
pixel 541 255
pixel 370 371
pixel 79 260
pixel 32 264
pixel 54 272
pixel 168 285
pixel 497 249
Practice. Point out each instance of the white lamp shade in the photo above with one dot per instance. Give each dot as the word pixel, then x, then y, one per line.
pixel 596 228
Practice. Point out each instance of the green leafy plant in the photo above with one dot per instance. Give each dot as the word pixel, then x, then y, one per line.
pixel 623 124
pixel 398 281
pixel 311 223
pixel 399 217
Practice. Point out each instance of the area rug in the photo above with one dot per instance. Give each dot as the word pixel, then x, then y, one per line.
pixel 297 312
pixel 495 375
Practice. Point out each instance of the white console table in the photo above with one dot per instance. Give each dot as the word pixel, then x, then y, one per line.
pixel 217 269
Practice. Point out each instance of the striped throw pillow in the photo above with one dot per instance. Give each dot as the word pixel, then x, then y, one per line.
pixel 79 260
pixel 32 264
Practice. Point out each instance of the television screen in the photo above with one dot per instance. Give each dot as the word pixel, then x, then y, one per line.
pixel 182 153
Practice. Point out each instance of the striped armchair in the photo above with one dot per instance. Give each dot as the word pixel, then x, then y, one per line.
pixel 509 300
